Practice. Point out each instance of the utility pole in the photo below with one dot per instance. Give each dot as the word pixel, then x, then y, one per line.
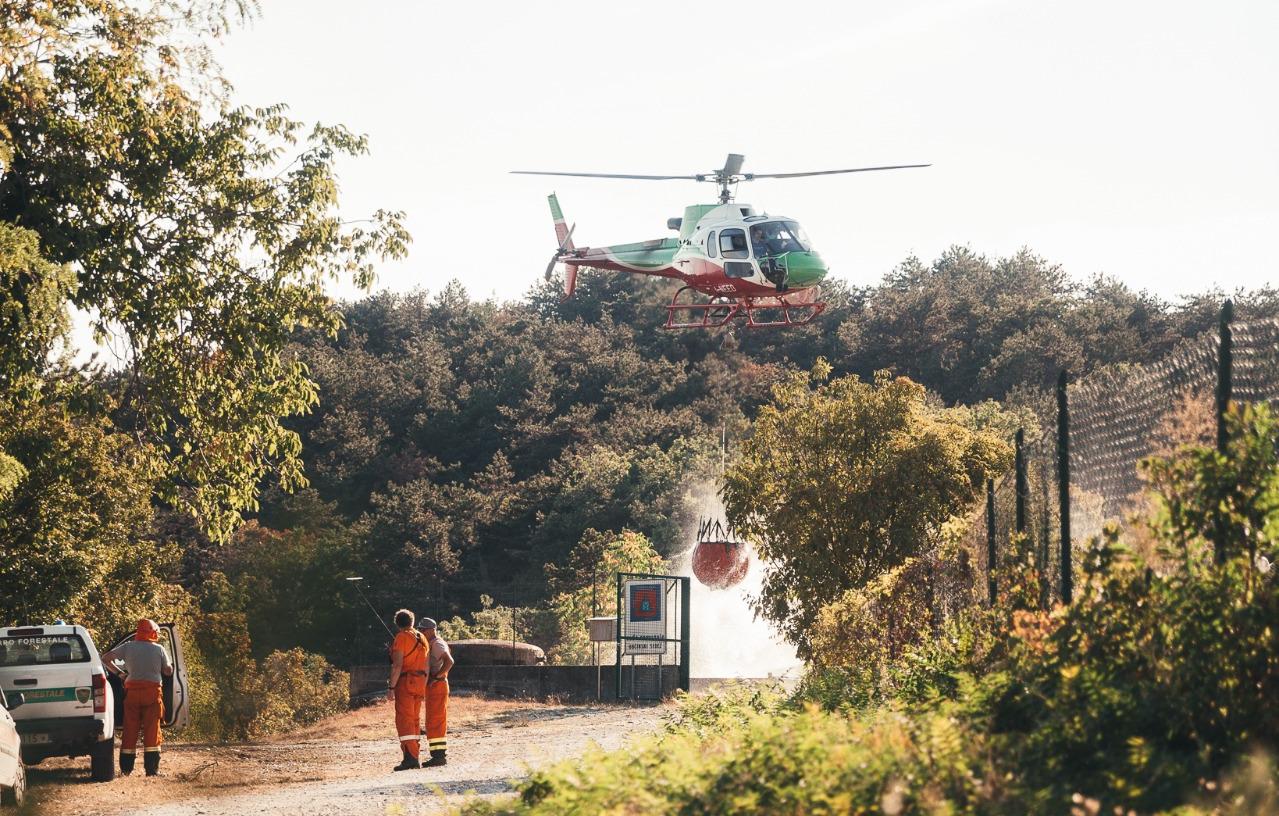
pixel 1225 387
pixel 1063 485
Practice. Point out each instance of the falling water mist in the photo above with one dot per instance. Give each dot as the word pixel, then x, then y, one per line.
pixel 727 639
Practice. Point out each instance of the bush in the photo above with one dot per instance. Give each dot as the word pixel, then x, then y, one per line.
pixel 876 624
pixel 1146 685
pixel 298 689
pixel 775 763
pixel 239 699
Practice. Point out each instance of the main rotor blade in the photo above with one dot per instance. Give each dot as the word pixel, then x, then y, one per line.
pixel 601 175
pixel 733 164
pixel 750 176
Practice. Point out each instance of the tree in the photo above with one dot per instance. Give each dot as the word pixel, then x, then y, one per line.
pixel 843 480
pixel 73 530
pixel 199 244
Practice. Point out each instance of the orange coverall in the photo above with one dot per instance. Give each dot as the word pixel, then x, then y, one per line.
pixel 143 710
pixel 437 702
pixel 410 689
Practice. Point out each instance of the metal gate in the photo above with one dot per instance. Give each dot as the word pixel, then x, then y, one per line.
pixel 652 635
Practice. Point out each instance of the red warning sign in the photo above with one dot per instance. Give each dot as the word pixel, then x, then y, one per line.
pixel 645 602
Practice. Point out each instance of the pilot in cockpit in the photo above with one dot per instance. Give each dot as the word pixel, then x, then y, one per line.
pixel 759 241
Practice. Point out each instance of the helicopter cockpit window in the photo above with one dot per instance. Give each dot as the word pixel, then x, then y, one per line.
pixel 777 237
pixel 732 243
pixel 710 244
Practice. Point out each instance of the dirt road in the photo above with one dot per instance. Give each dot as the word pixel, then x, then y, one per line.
pixel 342 765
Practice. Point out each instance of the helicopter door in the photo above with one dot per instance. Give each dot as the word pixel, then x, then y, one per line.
pixel 736 252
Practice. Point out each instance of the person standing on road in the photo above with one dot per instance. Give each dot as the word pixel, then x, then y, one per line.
pixel 146 664
pixel 408 684
pixel 437 695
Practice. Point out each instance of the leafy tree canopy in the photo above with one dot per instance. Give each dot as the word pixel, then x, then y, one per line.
pixel 200 233
pixel 845 479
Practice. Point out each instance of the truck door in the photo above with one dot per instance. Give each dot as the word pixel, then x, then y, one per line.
pixel 177 696
pixel 9 760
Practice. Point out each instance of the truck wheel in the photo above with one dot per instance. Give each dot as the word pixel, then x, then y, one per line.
pixel 15 795
pixel 102 760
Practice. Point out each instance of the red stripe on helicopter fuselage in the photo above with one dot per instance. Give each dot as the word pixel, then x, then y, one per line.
pixel 703 275
pixel 708 277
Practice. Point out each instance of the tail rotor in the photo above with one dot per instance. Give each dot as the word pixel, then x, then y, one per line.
pixel 563 249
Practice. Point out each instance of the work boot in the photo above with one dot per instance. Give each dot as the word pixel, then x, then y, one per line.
pixel 407 763
pixel 126 764
pixel 151 761
pixel 437 759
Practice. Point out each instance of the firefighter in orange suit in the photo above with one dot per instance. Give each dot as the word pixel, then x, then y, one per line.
pixel 408 684
pixel 146 664
pixel 440 663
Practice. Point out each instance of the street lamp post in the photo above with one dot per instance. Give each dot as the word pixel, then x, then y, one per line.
pixel 355 632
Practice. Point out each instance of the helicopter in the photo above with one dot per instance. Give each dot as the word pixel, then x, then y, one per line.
pixel 735 263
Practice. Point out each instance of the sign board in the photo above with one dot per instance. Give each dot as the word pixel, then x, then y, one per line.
pixel 645 604
pixel 602 629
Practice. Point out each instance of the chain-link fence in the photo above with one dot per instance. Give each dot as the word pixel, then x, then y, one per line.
pixel 1082 471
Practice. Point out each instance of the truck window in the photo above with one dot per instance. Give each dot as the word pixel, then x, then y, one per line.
pixel 42 650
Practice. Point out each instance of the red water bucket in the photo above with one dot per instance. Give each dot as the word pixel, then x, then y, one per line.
pixel 720 564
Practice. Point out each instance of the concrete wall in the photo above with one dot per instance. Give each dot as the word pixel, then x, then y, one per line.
pixel 573 684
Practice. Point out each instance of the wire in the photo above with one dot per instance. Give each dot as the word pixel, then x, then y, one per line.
pixel 371 609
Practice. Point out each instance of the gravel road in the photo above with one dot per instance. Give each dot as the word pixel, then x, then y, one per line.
pixel 343 766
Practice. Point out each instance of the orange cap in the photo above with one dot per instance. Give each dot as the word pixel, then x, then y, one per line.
pixel 147 630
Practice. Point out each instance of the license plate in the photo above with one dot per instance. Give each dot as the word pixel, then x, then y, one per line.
pixel 35 739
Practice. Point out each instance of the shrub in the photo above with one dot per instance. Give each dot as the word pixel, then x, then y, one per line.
pixel 878 623
pixel 773 763
pixel 239 699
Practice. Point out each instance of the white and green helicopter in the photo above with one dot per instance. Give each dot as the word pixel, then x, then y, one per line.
pixel 748 266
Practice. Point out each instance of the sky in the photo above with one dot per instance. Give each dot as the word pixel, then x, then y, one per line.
pixel 1134 139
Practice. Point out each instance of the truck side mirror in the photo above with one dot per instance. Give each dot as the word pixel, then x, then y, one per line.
pixel 14 700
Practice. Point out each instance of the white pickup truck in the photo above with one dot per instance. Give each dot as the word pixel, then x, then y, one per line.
pixel 13 776
pixel 72 704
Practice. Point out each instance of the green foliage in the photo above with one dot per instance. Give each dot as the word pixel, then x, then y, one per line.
pixel 896 611
pixel 753 761
pixel 971 327
pixel 724 706
pixel 241 698
pixel 493 622
pixel 1153 691
pixel 199 243
pixel 298 689
pixel 33 313
pixel 287 582
pixel 73 529
pixel 586 587
pixel 844 480
pixel 1233 497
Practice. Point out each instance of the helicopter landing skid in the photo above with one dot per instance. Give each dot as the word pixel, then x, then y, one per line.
pixel 755 312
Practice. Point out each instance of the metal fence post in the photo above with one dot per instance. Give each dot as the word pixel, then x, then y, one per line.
pixel 1020 464
pixel 1063 484
pixel 685 631
pixel 617 666
pixel 990 539
pixel 1225 362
